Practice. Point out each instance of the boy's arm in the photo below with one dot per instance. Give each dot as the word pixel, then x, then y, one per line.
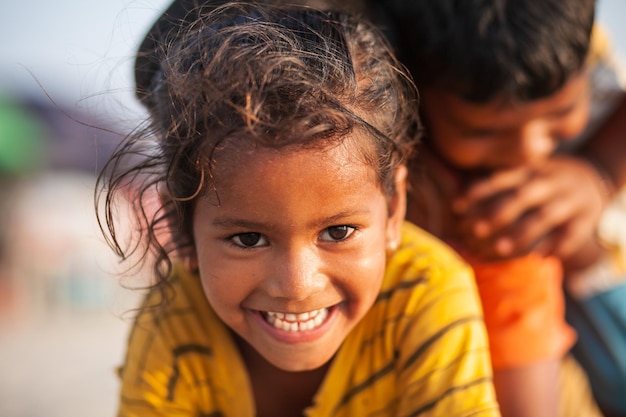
pixel 607 149
pixel 556 208
pixel 550 209
pixel 606 152
pixel 531 390
pixel 524 312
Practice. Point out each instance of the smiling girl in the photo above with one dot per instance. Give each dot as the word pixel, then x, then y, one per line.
pixel 286 281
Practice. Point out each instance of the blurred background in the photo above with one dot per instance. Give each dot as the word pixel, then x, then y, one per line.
pixel 65 101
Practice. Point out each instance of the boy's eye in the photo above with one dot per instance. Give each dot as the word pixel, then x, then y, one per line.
pixel 249 240
pixel 337 233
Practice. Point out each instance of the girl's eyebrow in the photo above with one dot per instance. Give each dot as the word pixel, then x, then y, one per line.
pixel 337 218
pixel 228 222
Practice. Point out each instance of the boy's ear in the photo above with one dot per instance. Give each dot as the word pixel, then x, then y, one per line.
pixel 397 209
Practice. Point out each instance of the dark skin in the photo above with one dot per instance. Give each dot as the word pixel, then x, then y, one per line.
pixel 609 147
pixel 495 186
pixel 279 393
pixel 513 202
pixel 552 209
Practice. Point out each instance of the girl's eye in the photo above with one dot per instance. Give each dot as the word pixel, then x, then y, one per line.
pixel 248 240
pixel 337 233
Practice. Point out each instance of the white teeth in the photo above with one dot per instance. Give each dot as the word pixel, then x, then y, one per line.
pixel 291 322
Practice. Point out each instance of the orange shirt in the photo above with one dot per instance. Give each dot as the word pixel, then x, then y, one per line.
pixel 524 310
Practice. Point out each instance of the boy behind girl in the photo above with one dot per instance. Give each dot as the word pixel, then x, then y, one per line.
pixel 518 175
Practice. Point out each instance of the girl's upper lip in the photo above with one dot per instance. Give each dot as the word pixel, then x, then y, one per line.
pixel 296 312
pixel 296 316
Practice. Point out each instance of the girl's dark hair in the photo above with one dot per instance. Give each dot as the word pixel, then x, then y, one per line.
pixel 250 75
pixel 515 50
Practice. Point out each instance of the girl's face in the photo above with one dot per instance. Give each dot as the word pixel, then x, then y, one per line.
pixel 293 256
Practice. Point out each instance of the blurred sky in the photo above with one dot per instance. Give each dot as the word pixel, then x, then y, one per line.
pixel 81 50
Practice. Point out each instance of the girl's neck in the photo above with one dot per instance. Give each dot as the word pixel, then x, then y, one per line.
pixel 276 392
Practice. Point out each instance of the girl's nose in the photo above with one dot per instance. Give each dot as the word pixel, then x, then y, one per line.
pixel 296 275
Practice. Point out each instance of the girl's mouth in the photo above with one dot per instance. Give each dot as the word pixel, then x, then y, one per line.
pixel 300 322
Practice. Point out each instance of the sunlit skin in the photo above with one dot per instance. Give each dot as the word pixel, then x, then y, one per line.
pixel 510 191
pixel 295 231
pixel 492 135
pixel 505 193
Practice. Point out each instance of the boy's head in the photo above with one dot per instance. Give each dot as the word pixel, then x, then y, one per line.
pixel 482 50
pixel 511 71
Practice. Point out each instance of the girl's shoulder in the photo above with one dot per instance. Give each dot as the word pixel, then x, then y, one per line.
pixel 180 354
pixel 423 254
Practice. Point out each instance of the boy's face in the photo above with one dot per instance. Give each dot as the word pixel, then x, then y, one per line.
pixel 293 256
pixel 493 136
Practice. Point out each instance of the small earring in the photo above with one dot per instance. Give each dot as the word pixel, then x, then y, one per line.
pixel 190 263
pixel 392 246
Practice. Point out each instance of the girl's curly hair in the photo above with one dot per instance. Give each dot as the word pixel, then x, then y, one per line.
pixel 276 76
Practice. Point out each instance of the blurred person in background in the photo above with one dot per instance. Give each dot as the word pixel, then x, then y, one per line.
pixel 49 156
pixel 525 117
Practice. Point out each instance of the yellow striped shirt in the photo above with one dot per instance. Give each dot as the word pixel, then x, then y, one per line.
pixel 420 351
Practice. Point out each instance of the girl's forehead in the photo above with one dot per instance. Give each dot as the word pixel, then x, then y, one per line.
pixel 239 156
pixel 279 181
pixel 235 150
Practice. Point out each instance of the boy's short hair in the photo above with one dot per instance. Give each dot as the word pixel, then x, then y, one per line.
pixel 486 49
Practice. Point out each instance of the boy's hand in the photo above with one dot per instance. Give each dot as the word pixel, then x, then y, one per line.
pixel 553 209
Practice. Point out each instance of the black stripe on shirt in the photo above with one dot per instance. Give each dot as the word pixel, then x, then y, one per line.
pixel 451 390
pixel 177 353
pixel 365 384
pixel 404 285
pixel 421 349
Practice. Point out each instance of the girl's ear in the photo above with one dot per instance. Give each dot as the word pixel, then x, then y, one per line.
pixel 397 209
